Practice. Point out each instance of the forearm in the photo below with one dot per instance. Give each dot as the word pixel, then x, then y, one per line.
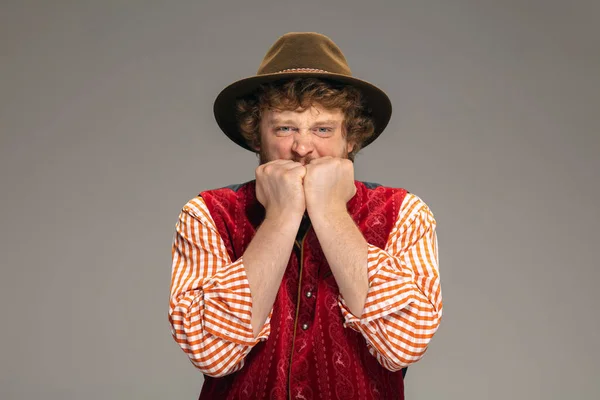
pixel 346 251
pixel 403 308
pixel 265 261
pixel 205 282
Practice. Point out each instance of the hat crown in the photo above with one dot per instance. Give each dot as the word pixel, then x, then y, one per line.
pixel 304 51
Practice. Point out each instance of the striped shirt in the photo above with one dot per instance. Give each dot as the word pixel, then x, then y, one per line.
pixel 210 300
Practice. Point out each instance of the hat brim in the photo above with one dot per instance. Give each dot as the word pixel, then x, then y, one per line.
pixel 224 107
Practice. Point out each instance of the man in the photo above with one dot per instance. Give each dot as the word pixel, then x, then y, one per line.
pixel 304 283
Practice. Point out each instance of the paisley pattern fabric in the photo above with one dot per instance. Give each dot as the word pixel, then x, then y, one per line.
pixel 309 353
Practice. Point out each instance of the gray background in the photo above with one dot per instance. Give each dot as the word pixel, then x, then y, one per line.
pixel 107 130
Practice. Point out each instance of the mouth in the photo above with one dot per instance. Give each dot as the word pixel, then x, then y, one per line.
pixel 304 162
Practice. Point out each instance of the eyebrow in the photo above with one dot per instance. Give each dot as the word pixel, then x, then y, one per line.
pixel 327 122
pixel 275 121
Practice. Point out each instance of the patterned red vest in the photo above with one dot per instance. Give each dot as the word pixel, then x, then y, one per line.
pixel 309 354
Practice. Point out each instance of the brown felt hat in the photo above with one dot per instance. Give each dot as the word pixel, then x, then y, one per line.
pixel 300 55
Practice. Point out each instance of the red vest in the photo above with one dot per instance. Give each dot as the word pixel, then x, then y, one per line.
pixel 309 354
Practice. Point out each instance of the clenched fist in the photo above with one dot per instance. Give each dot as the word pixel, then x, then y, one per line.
pixel 279 188
pixel 328 184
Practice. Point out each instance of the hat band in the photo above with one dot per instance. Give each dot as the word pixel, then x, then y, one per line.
pixel 302 70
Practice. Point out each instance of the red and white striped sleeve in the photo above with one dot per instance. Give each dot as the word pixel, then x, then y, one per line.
pixel 403 308
pixel 210 301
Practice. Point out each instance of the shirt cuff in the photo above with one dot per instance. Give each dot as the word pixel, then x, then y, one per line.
pixel 391 288
pixel 228 306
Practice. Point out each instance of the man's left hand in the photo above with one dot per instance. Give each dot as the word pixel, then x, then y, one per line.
pixel 328 185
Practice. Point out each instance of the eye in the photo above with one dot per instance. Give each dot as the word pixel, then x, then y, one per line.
pixel 283 129
pixel 324 130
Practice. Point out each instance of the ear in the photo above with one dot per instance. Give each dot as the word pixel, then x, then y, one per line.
pixel 350 146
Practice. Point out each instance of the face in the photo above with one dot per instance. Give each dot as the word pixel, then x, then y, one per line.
pixel 302 135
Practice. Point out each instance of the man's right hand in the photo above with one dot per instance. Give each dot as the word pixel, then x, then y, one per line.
pixel 279 188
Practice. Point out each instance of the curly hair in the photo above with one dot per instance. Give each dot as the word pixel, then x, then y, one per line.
pixel 290 95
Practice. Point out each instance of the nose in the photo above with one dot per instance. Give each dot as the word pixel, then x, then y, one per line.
pixel 302 145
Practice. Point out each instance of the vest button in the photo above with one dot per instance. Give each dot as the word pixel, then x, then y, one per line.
pixel 309 294
pixel 304 327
